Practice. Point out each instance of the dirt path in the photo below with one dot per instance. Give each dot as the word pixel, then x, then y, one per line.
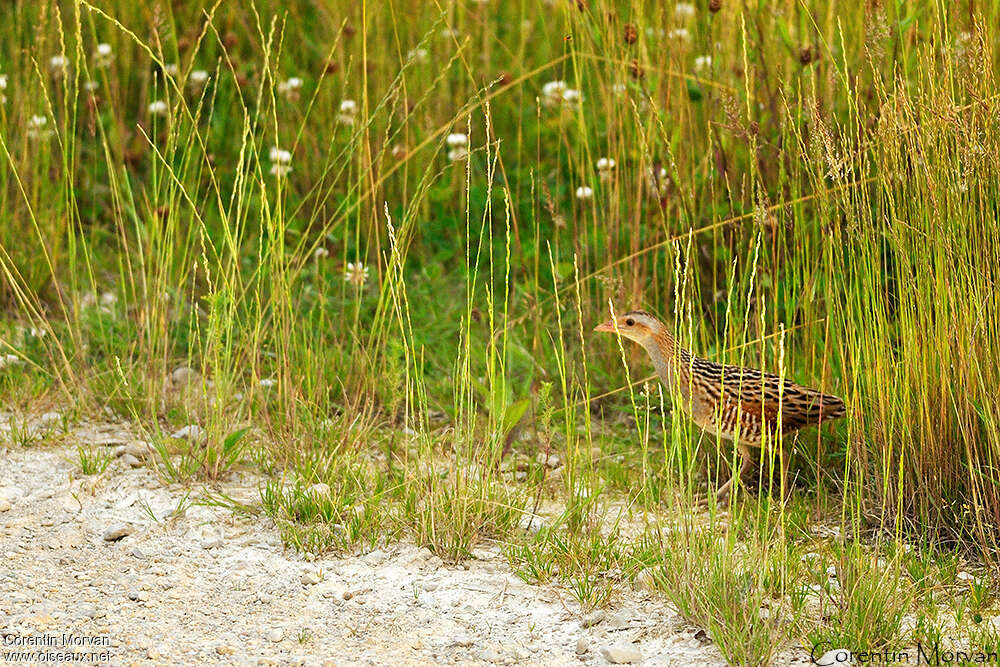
pixel 205 587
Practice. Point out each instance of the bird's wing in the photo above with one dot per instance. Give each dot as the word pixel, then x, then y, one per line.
pixel 765 396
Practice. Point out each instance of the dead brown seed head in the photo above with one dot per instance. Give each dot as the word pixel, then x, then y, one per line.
pixel 630 34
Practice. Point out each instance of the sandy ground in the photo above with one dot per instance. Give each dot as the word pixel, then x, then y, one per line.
pixel 203 586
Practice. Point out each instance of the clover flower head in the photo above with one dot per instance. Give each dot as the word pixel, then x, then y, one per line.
pixel 356 273
pixel 103 55
pixel 584 192
pixel 157 108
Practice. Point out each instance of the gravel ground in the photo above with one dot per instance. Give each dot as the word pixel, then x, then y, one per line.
pixel 102 564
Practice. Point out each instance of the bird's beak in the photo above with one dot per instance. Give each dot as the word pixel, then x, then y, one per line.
pixel 606 327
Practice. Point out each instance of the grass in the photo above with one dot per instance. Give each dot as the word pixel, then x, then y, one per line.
pixel 404 315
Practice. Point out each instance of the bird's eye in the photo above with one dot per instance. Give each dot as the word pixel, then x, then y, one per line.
pixel 630 322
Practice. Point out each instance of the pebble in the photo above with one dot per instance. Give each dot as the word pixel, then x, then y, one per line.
pixel 594 618
pixel 620 654
pixel 48 420
pixel 131 461
pixel 376 557
pixel 190 432
pixel 212 541
pixel 184 375
pixel 552 461
pixel 310 578
pixel 530 523
pixel 138 596
pixel 139 449
pixel 429 585
pixel 645 581
pixel 116 532
pixel 582 646
pixel 965 576
pixel 320 490
pixel 4 505
pixel 275 635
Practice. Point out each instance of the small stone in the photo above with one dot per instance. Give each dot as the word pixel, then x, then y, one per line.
pixel 4 505
pixel 131 461
pixel 552 460
pixel 620 654
pixel 138 596
pixel 117 532
pixel 531 523
pixel 965 577
pixel 429 585
pixel 191 432
pixel 137 553
pixel 376 557
pixel 836 657
pixel 582 646
pixel 594 618
pixel 310 578
pixel 224 649
pixel 212 541
pixel 463 641
pixel 320 490
pixel 275 635
pixel 139 449
pixel 183 376
pixel 48 420
pixel 645 580
pixel 153 653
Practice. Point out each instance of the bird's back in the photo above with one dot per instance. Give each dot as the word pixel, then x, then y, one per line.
pixel 740 402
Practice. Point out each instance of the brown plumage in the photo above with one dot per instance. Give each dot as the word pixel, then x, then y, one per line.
pixel 743 405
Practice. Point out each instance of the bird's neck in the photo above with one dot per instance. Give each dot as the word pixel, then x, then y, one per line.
pixel 668 357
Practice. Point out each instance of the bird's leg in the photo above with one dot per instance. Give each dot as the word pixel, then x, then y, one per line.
pixel 745 465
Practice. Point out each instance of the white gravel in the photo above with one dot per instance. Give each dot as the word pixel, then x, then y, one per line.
pixel 202 586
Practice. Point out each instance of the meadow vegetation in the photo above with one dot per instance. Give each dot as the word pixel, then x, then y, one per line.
pixel 363 245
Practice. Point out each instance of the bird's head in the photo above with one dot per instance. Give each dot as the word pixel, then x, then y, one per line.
pixel 637 325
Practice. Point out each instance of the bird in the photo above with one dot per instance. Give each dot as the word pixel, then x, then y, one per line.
pixel 742 405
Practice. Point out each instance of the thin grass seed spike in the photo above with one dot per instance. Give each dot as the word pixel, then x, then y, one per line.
pixel 742 405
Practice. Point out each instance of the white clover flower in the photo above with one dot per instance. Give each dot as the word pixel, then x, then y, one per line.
pixel 321 252
pixel 290 87
pixel 348 112
pixel 684 10
pixel 459 143
pixel 658 181
pixel 90 85
pixel 37 333
pixel 552 93
pixel 417 55
pixel 679 34
pixel 38 127
pixel 356 273
pixel 584 192
pixel 10 360
pixel 58 64
pixel 157 108
pixel 267 382
pixel 281 161
pixel 171 69
pixel 572 96
pixel 702 63
pixel 449 33
pixel 198 78
pixel 103 54
pixel 606 164
pixel 618 88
